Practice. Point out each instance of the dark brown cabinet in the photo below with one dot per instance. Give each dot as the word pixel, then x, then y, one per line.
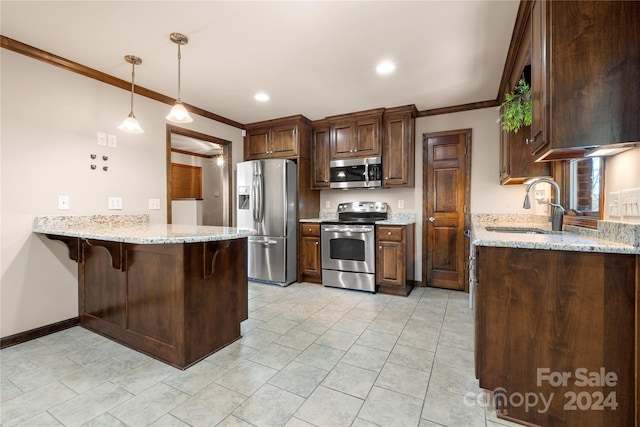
pixel 320 155
pixel 394 258
pixel 309 260
pixel 356 134
pixel 176 302
pixel 585 85
pixel 516 161
pixel 280 138
pixel 561 311
pixel 398 146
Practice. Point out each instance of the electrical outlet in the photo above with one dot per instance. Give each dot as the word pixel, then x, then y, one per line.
pixel 614 204
pixel 327 204
pixel 115 203
pixel 113 141
pixel 400 204
pixel 63 203
pixel 102 138
pixel 154 204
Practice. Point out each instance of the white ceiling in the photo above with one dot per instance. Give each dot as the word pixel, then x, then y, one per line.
pixel 315 58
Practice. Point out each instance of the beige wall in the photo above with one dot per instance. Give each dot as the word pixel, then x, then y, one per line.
pixel 487 195
pixel 49 122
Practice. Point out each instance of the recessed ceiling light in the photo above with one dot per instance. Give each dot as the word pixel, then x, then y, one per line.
pixel 385 67
pixel 261 96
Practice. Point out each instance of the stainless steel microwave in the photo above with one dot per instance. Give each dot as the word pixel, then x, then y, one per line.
pixel 356 173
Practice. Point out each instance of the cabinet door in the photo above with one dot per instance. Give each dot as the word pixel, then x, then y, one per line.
pixel 257 144
pixel 284 141
pixel 538 77
pixel 390 267
pixel 310 256
pixel 367 137
pixel 342 139
pixel 398 150
pixel 320 178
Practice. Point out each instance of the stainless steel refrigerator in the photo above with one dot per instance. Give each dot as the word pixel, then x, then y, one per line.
pixel 267 200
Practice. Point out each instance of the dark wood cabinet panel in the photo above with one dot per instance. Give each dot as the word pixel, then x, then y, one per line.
pixel 356 134
pixel 310 257
pixel 283 138
pixel 398 147
pixel 562 311
pixel 516 161
pixel 394 258
pixel 585 85
pixel 320 155
pixel 175 302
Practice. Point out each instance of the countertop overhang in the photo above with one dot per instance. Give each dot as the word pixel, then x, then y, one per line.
pixel 133 229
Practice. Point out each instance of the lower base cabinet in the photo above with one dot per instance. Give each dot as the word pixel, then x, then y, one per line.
pixel 310 258
pixel 557 329
pixel 175 302
pixel 394 259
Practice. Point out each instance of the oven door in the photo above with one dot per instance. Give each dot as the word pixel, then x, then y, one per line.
pixel 348 248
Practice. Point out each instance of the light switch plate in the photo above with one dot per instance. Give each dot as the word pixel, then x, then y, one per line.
pixel 102 138
pixel 400 204
pixel 113 141
pixel 630 202
pixel 614 204
pixel 327 204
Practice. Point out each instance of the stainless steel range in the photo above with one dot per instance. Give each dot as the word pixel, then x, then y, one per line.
pixel 348 246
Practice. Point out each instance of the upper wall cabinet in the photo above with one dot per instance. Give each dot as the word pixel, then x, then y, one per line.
pixel 356 134
pixel 585 81
pixel 320 154
pixel 278 138
pixel 516 162
pixel 398 146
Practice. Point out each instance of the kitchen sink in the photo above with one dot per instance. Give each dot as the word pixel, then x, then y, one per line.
pixel 521 230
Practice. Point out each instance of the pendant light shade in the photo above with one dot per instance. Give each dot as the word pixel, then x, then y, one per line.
pixel 130 124
pixel 179 113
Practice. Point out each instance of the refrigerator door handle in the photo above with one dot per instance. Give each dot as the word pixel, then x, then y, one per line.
pixel 264 242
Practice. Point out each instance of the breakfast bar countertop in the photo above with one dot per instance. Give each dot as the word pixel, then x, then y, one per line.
pixel 133 229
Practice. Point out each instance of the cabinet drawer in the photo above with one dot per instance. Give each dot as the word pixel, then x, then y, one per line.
pixel 310 229
pixel 394 234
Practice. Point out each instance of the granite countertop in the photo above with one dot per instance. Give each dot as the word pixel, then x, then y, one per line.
pixel 133 229
pixel 564 241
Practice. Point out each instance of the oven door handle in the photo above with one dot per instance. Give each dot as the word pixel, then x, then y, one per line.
pixel 349 229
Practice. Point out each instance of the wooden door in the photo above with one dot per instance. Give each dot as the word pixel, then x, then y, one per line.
pixel 186 181
pixel 446 186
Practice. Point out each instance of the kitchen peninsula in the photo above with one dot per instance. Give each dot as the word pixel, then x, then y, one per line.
pixel 177 293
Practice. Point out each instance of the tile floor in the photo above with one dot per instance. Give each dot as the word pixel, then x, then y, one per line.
pixel 309 356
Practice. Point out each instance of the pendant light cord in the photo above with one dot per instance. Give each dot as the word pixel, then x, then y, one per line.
pixel 179 58
pixel 133 76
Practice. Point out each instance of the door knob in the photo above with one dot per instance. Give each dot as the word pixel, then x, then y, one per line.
pixel 432 219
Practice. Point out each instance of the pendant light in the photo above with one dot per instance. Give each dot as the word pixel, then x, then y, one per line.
pixel 130 124
pixel 178 113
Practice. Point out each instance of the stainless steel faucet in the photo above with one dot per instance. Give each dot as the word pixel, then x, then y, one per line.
pixel 558 210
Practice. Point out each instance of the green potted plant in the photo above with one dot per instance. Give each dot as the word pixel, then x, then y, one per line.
pixel 516 108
